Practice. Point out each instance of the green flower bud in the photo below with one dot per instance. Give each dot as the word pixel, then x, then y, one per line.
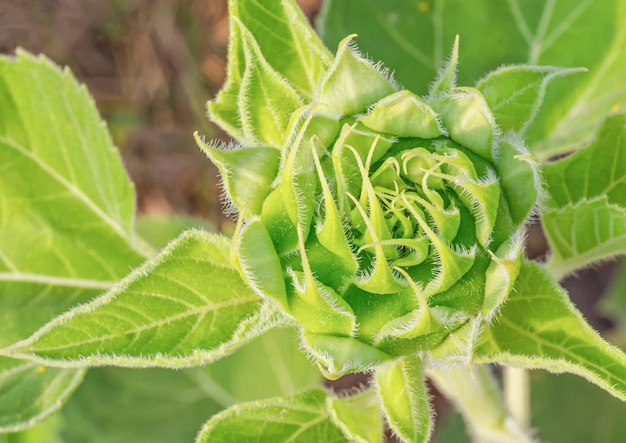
pixel 383 222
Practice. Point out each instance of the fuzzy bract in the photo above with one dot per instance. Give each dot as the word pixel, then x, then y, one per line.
pixel 383 221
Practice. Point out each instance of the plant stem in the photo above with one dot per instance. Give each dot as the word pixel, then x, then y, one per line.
pixel 475 394
pixel 517 394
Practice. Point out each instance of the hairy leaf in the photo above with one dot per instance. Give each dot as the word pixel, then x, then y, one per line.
pixel 130 409
pixel 275 61
pixel 66 218
pixel 186 307
pixel 596 170
pixel 515 93
pixel 286 40
pixel 68 206
pixel 538 327
pixel 30 393
pixel 404 399
pixel 302 417
pixel 584 233
pixel 585 216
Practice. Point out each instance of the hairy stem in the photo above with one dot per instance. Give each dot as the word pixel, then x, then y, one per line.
pixel 517 394
pixel 474 392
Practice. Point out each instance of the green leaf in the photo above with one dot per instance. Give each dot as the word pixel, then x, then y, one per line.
pixel 275 61
pixel 404 399
pixel 413 37
pixel 596 170
pixel 358 416
pixel 265 100
pixel 286 40
pixel 186 307
pixel 451 429
pixel 68 206
pixel 66 211
pixel 49 431
pixel 567 408
pixel 302 417
pixel 538 327
pixel 399 33
pixel 130 409
pixel 583 233
pixel 260 263
pixel 515 93
pixel 585 215
pixel 272 365
pixel 30 393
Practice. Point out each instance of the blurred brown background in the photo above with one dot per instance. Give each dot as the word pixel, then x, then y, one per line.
pixel 151 66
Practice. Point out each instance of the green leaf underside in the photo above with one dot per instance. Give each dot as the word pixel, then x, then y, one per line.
pixel 538 327
pixel 585 216
pixel 287 41
pixel 272 50
pixel 596 170
pixel 404 399
pixel 186 307
pixel 66 221
pixel 414 39
pixel 583 233
pixel 302 417
pixel 266 100
pixel 67 205
pixel 30 393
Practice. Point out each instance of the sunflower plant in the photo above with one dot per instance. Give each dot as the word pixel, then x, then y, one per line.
pixel 385 227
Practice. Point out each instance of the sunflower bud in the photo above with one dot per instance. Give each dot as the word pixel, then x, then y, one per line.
pixel 384 221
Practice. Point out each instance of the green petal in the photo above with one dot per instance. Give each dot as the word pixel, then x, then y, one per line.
pixel 265 99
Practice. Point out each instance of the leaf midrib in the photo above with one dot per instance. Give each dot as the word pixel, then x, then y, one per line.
pixel 72 188
pixel 565 352
pixel 53 280
pixel 202 310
